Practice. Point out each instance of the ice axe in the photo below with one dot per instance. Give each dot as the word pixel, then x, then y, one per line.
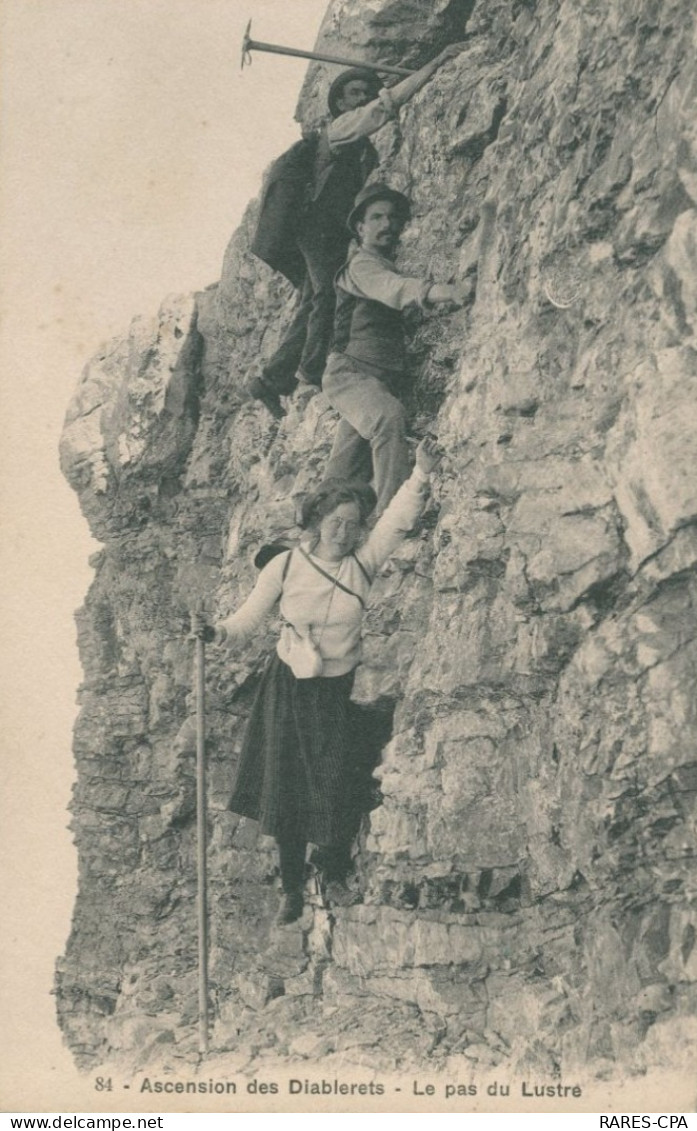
pixel 249 45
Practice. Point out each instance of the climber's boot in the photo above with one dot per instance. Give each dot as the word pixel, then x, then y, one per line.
pixel 270 399
pixel 291 907
pixel 337 893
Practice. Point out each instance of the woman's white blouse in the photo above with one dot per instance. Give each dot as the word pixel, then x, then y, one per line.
pixel 312 603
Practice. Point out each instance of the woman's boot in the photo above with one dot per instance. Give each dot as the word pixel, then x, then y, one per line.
pixel 290 908
pixel 292 861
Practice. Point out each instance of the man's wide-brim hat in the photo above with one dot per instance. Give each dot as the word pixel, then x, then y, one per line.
pixel 369 195
pixel 354 74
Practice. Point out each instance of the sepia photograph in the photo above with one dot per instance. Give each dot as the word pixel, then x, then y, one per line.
pixel 349 556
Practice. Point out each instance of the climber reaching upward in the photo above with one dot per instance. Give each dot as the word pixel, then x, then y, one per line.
pixel 298 752
pixel 301 229
pixel 365 370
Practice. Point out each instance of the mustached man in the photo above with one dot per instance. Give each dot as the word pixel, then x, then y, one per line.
pixel 365 374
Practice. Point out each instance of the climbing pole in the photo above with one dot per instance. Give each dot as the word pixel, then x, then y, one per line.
pixel 201 846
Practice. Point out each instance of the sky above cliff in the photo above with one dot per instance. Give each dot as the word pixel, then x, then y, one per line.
pixel 131 145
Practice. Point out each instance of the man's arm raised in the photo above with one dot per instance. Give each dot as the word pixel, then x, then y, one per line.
pixel 402 91
pixel 366 120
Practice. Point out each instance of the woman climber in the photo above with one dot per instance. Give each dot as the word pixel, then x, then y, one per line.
pixel 297 751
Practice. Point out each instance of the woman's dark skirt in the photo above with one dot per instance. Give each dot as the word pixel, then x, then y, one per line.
pixel 294 765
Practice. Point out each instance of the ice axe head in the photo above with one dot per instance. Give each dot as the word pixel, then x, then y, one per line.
pixel 249 45
pixel 246 46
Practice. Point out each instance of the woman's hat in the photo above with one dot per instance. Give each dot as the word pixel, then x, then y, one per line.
pixel 369 195
pixel 352 75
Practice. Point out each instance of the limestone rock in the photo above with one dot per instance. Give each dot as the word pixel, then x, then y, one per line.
pixel 526 845
pixel 135 411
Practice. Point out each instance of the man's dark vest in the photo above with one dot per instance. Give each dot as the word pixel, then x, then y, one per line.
pixel 307 184
pixel 369 331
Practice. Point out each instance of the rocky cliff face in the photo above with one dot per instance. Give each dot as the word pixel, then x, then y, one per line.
pixel 527 880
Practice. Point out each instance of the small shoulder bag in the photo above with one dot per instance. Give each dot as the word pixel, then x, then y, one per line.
pixel 302 654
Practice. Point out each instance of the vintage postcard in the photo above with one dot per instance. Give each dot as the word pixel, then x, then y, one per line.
pixel 349 556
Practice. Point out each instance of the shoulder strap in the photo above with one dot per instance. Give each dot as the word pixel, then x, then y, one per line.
pixel 329 577
pixel 284 572
pixel 286 566
pixel 362 568
pixel 370 158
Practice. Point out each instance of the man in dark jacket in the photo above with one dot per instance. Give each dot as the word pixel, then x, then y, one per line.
pixel 302 224
pixel 365 370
